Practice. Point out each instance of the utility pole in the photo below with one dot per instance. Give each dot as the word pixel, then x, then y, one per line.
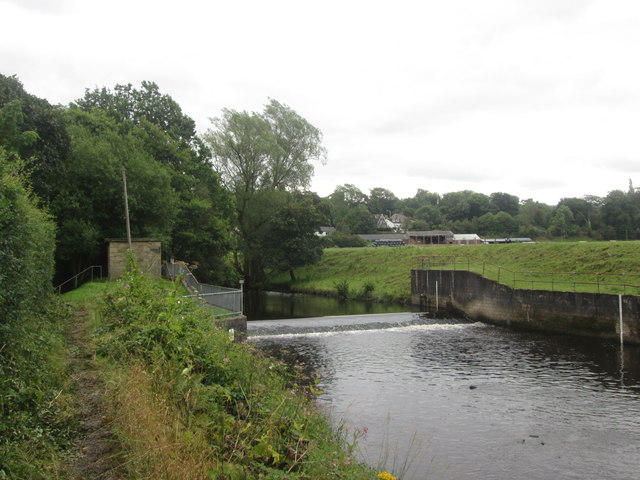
pixel 126 206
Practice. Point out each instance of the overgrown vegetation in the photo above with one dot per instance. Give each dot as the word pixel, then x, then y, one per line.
pixel 388 270
pixel 189 403
pixel 36 416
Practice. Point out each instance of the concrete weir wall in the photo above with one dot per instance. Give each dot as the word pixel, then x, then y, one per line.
pixel 590 314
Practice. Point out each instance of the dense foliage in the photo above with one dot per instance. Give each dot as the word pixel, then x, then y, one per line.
pixel 75 157
pixel 219 200
pixel 614 217
pixel 263 157
pixel 34 418
pixel 226 412
pixel 27 246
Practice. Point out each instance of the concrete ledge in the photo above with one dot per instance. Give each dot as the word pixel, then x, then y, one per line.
pixel 588 314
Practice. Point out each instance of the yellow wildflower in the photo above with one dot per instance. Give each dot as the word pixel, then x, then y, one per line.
pixel 386 476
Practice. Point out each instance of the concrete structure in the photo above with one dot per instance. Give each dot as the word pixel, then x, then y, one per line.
pixel 467 239
pixel 147 252
pixel 431 237
pixel 587 314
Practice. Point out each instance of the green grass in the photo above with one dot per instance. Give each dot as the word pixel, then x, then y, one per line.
pixel 388 269
pixel 84 293
pixel 91 291
pixel 188 404
pixel 37 413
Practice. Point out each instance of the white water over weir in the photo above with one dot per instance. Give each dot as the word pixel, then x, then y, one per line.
pixel 444 398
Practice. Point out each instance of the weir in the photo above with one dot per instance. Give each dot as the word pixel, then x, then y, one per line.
pixel 602 315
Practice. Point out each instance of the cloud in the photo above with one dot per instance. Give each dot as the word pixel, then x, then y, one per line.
pixel 618 164
pixel 538 99
pixel 42 6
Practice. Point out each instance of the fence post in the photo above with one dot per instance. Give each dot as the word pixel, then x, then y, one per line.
pixel 621 322
pixel 499 274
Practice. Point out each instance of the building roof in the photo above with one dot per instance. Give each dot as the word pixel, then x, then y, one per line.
pixel 466 236
pixel 431 233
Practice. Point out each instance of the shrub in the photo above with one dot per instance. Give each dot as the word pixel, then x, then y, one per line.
pixel 28 242
pixel 35 412
pixel 342 289
pixel 344 240
pixel 367 290
pixel 224 408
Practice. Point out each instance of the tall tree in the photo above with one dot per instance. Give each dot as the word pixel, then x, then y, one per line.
pixel 34 130
pixel 504 202
pixel 382 201
pixel 621 213
pixel 258 153
pixel 562 223
pixel 200 232
pixel 290 241
pixel 147 103
pixel 357 220
pixel 88 203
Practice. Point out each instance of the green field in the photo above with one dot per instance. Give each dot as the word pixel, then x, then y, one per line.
pixel 583 266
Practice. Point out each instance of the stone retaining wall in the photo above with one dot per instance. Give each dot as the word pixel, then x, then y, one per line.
pixel 147 252
pixel 592 314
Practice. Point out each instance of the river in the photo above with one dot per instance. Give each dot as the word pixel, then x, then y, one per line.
pixel 442 398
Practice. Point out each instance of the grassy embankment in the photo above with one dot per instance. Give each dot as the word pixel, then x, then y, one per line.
pixel 388 269
pixel 187 403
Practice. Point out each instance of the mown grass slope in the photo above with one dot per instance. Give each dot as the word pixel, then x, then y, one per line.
pixel 388 268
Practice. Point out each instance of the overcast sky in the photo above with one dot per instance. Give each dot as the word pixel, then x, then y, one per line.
pixel 536 98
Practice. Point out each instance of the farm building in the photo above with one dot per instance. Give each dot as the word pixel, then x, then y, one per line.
pixel 431 237
pixel 467 239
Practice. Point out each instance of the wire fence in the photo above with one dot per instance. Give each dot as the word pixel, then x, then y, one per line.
pixel 227 299
pixel 89 274
pixel 585 282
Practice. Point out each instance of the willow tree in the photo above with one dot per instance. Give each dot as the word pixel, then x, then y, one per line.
pixel 259 155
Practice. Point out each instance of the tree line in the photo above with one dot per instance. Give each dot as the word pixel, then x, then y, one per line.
pixel 234 202
pixel 613 217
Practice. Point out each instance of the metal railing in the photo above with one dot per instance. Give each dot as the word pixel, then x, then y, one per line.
pixel 586 282
pixel 229 299
pixel 86 275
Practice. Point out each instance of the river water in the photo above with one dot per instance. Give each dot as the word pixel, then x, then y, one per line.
pixel 441 398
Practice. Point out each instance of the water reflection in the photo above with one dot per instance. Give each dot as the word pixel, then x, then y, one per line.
pixel 260 305
pixel 485 401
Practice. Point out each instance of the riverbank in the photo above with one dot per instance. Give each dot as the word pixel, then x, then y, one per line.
pixel 384 274
pixel 185 402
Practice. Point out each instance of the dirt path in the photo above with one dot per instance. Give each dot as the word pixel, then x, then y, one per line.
pixel 97 448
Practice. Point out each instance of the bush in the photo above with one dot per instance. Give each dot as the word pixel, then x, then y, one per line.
pixel 220 406
pixel 342 289
pixel 28 243
pixel 367 290
pixel 35 418
pixel 344 240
